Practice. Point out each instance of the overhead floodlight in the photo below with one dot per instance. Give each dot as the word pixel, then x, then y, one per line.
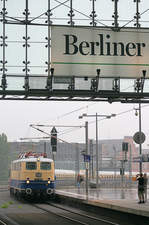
pixel 144 73
pixel 98 72
pixel 52 71
pixel 84 114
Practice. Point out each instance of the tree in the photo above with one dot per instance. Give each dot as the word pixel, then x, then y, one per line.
pixel 4 157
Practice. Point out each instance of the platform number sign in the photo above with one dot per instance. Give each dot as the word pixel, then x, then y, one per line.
pixel 87 158
pixel 54 139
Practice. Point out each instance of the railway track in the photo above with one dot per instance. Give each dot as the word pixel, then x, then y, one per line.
pixel 2 222
pixel 72 215
pixel 5 220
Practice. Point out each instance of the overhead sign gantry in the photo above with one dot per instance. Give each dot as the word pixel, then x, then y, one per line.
pixel 80 62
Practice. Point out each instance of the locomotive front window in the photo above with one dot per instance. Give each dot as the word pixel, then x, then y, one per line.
pixel 45 165
pixel 31 165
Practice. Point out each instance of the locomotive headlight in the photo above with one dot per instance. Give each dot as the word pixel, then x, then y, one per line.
pixel 49 181
pixel 28 181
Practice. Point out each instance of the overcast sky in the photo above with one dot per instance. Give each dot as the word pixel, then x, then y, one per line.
pixel 16 116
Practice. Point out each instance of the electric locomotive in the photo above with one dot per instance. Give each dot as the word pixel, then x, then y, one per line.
pixel 32 174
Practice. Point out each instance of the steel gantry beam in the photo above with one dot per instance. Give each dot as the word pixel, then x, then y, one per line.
pixel 70 92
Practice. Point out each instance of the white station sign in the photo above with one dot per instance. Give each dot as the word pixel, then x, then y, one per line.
pixel 80 51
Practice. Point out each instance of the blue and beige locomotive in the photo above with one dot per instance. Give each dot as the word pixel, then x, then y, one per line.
pixel 32 174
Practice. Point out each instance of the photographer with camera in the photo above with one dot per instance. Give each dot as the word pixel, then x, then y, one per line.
pixel 140 180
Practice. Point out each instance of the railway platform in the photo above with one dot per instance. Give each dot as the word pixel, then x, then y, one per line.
pixel 115 199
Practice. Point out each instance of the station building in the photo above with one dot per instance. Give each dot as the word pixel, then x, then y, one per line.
pixel 70 156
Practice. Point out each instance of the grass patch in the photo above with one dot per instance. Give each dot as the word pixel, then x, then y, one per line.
pixel 6 204
pixel 10 202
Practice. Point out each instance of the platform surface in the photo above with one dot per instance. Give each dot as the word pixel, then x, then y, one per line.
pixel 125 200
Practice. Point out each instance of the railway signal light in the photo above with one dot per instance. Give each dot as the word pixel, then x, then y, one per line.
pixel 122 171
pixel 125 146
pixel 54 139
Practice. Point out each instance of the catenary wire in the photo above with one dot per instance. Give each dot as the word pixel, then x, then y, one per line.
pixel 83 14
pixel 134 19
pixel 51 10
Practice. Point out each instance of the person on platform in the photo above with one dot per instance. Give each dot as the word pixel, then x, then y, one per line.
pixel 79 180
pixel 140 180
pixel 145 187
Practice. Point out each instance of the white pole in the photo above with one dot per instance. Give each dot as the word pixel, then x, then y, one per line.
pixel 97 151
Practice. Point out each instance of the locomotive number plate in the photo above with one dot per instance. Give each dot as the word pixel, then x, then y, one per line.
pixel 38 174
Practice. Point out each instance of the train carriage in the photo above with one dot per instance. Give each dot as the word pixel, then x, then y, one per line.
pixel 32 174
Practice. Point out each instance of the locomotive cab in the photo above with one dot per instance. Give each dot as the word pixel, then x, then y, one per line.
pixel 32 174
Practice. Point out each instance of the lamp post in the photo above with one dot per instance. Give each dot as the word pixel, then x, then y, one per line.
pixel 97 115
pixel 140 144
pixel 87 167
pixel 140 134
pixel 139 85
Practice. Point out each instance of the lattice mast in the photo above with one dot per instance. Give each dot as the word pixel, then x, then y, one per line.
pixel 4 45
